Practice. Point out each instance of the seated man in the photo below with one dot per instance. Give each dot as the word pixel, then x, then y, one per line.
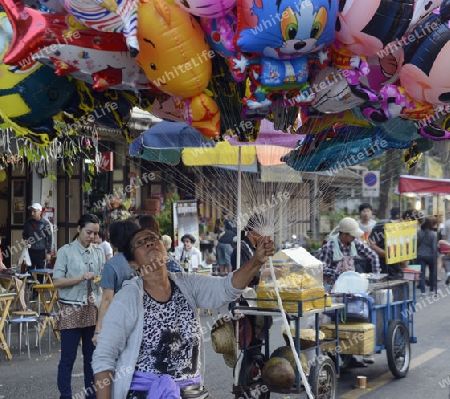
pixel 338 254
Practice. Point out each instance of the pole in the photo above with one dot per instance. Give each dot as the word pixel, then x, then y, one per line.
pixel 238 255
pixel 239 204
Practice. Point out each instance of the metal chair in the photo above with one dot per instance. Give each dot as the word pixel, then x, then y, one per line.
pixel 25 320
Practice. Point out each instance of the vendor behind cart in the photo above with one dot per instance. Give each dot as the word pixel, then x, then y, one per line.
pixel 338 254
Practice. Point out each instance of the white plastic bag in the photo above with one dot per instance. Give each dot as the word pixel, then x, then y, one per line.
pixel 24 256
pixel 351 283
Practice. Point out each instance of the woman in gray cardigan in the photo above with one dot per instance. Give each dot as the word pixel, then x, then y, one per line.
pixel 151 338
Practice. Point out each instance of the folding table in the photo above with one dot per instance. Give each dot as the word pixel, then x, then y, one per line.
pixel 5 303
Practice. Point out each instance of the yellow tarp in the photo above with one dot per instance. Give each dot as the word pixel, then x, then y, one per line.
pixel 226 154
pixel 222 154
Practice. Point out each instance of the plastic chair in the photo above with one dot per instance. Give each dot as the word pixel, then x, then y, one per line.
pixel 21 321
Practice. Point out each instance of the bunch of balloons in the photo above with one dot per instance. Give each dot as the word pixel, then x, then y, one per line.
pixel 349 71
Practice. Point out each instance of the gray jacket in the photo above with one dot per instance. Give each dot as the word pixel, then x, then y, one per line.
pixel 73 260
pixel 39 234
pixel 121 335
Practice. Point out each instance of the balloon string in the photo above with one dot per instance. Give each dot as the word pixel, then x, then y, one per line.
pixel 288 333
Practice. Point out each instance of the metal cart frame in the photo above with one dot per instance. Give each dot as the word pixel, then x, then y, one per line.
pixel 394 323
pixel 322 364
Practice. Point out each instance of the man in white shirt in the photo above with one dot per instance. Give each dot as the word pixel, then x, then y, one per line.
pixel 366 223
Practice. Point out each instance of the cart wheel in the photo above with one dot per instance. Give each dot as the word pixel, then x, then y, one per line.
pixel 322 378
pixel 398 349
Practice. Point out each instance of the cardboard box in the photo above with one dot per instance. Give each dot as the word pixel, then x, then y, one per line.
pixel 411 275
pixel 354 338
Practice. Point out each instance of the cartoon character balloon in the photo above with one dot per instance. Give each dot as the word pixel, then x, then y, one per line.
pixel 177 59
pixel 424 73
pixel 281 39
pixel 365 27
pixel 108 16
pixel 221 32
pixel 60 41
pixel 32 95
pixel 206 8
pixel 285 29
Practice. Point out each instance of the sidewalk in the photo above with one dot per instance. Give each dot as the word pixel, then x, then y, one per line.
pixel 35 377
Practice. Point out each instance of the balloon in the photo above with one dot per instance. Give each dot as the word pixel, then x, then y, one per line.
pixel 30 96
pixel 202 113
pixel 2 175
pixel 366 27
pixel 58 40
pixel 166 109
pixel 177 59
pixel 174 54
pixel 206 8
pixel 383 70
pixel 220 33
pixel 277 43
pixel 331 151
pixel 333 93
pixel 287 29
pixel 108 16
pixel 421 9
pixel 339 148
pixel 424 74
pixel 46 5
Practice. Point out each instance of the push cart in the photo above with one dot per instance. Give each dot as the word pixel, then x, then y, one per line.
pixel 383 321
pixel 322 371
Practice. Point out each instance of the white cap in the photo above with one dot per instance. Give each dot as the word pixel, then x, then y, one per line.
pixel 37 206
pixel 350 226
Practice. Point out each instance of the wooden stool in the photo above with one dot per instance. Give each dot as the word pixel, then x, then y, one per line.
pixel 48 306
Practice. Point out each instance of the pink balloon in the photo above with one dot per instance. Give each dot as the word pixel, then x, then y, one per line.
pixel 207 8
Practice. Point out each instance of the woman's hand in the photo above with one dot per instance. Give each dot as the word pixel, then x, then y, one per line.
pixel 242 277
pixel 264 250
pixel 88 276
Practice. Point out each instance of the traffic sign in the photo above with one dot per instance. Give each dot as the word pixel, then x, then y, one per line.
pixel 371 184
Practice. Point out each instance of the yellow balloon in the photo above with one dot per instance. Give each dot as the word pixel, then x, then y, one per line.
pixel 2 175
pixel 173 51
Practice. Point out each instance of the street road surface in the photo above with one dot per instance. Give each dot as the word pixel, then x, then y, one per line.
pixel 429 375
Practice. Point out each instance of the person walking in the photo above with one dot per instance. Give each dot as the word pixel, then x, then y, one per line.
pixel 224 249
pixel 105 245
pixel 426 254
pixel 38 235
pixel 365 222
pixel 116 270
pixel 77 265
